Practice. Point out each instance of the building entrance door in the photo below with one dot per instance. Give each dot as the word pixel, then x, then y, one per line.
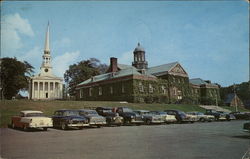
pixel 47 95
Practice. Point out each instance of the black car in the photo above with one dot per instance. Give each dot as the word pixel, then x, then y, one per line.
pixel 93 117
pixel 129 116
pixel 217 115
pixel 65 119
pixel 111 117
pixel 241 115
pixel 180 116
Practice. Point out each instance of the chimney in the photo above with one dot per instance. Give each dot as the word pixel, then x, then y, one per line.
pixel 113 64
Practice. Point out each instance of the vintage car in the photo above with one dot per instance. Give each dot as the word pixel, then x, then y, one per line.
pixel 217 115
pixel 202 117
pixel 31 119
pixel 241 115
pixel 93 118
pixel 165 116
pixel 246 127
pixel 150 118
pixel 111 117
pixel 129 116
pixel 228 115
pixel 181 116
pixel 66 118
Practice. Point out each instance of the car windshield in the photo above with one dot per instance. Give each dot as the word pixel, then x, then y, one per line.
pixel 127 110
pixel 107 111
pixel 34 114
pixel 200 113
pixel 180 112
pixel 70 113
pixel 88 112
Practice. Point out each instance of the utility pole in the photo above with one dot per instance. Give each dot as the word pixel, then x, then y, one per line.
pixel 235 100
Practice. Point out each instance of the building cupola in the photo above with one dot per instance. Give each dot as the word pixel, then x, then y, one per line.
pixel 139 58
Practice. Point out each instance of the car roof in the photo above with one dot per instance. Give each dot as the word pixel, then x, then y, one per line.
pixel 143 111
pixel 31 111
pixel 63 110
pixel 86 110
pixel 104 108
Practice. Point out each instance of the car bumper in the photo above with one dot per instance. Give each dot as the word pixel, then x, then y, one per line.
pixel 156 121
pixel 98 123
pixel 170 120
pixel 78 125
pixel 136 121
pixel 40 125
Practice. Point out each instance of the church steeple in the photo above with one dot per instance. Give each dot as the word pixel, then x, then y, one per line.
pixel 46 68
pixel 46 47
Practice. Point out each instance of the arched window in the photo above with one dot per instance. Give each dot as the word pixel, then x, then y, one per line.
pixel 141 89
pixel 150 88
pixel 100 91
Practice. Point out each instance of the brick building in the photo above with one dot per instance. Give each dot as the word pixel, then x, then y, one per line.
pixel 168 83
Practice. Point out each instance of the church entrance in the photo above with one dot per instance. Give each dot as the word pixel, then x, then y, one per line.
pixel 46 95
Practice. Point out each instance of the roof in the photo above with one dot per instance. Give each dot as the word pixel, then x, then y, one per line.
pixel 161 68
pixel 111 75
pixel 30 111
pixel 122 66
pixel 229 98
pixel 197 81
pixel 139 48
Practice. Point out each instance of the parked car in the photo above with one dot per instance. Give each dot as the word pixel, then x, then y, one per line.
pixel 165 117
pixel 111 117
pixel 202 117
pixel 180 116
pixel 217 115
pixel 93 117
pixel 228 115
pixel 129 116
pixel 246 127
pixel 66 118
pixel 150 118
pixel 31 119
pixel 241 115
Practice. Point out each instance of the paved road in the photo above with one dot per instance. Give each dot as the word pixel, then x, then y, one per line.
pixel 217 140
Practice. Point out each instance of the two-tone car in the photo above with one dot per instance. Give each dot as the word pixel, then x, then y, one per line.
pixel 165 116
pixel 31 119
pixel 129 116
pixel 202 117
pixel 93 118
pixel 67 118
pixel 111 117
pixel 217 115
pixel 181 116
pixel 150 118
pixel 228 115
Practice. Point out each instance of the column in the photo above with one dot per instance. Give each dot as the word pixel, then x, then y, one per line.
pixel 48 89
pixel 43 92
pixel 32 89
pixel 54 89
pixel 38 89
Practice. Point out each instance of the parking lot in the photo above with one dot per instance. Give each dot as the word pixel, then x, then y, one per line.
pixel 217 140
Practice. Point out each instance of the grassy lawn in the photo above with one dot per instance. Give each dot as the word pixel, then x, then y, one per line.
pixel 9 108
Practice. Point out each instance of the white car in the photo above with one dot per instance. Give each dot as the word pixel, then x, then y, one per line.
pixel 166 117
pixel 201 116
pixel 31 119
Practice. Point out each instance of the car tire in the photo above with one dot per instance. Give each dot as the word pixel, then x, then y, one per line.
pixel 45 129
pixel 202 119
pixel 25 128
pixel 148 122
pixel 64 126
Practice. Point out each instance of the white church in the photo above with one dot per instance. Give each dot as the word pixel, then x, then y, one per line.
pixel 46 85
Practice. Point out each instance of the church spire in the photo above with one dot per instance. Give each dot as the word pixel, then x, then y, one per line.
pixel 46 48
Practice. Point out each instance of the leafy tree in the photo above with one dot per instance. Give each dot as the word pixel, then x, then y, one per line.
pixel 15 76
pixel 82 71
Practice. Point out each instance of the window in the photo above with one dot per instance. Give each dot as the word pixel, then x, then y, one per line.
pixel 163 89
pixel 81 93
pixel 150 88
pixel 175 91
pixel 90 91
pixel 123 89
pixel 111 90
pixel 100 91
pixel 141 89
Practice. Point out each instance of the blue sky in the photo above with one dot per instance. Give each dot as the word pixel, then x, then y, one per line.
pixel 210 39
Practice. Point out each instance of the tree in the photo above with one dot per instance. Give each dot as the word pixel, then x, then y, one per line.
pixel 82 71
pixel 15 76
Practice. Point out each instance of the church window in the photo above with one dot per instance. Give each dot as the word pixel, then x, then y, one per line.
pixel 90 91
pixel 141 89
pixel 111 90
pixel 100 91
pixel 135 58
pixel 150 88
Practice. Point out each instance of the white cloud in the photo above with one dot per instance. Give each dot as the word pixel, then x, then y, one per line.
pixel 61 63
pixel 126 58
pixel 13 25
